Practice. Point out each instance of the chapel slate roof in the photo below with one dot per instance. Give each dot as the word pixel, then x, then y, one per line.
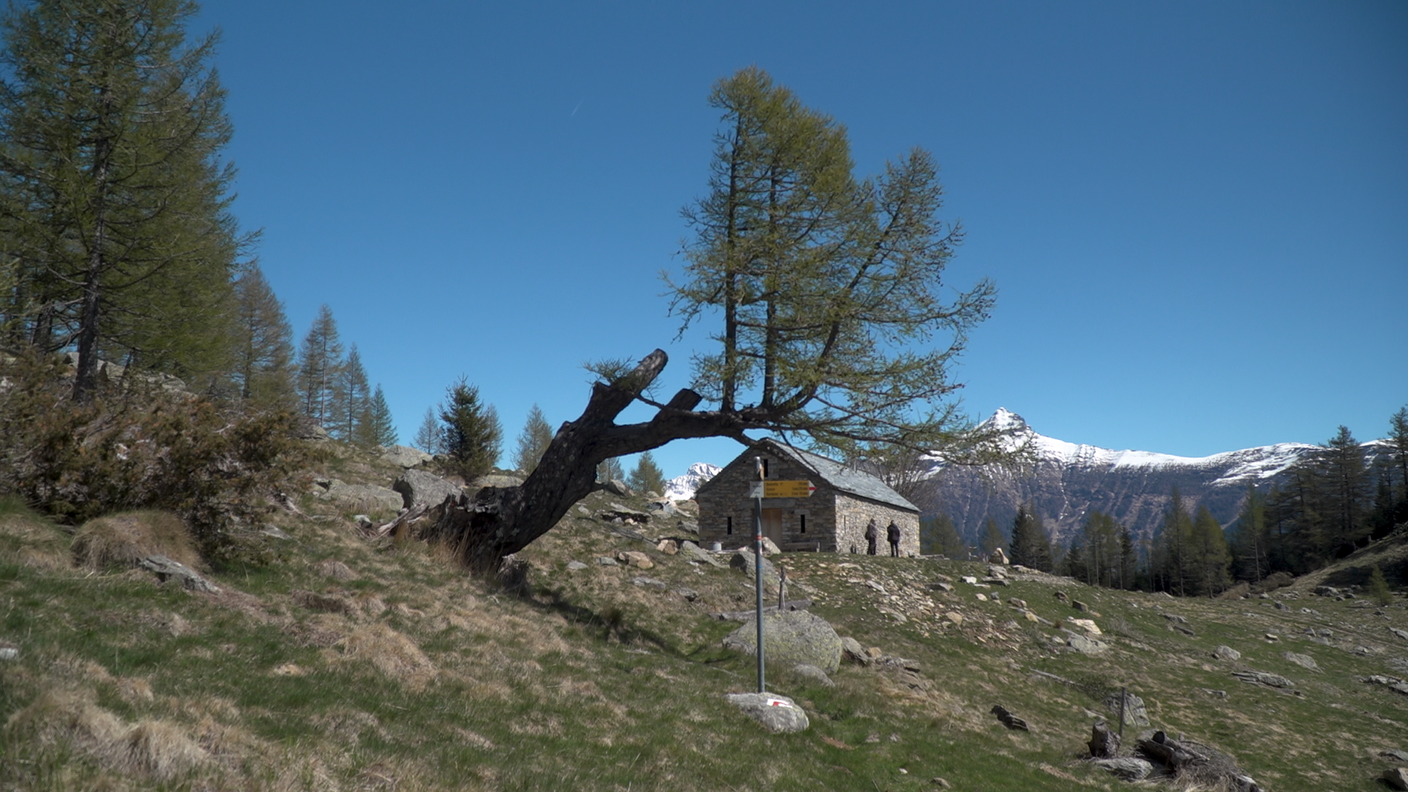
pixel 845 478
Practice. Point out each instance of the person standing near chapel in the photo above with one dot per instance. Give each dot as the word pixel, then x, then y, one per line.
pixel 871 535
pixel 893 534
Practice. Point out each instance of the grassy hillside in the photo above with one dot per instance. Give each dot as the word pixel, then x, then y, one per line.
pixel 349 664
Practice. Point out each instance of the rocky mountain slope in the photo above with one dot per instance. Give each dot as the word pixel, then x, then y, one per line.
pixel 1068 480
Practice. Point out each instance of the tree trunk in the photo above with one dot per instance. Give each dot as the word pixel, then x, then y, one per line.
pixel 498 521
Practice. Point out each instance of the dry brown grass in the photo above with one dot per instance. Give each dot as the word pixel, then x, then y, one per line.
pixel 122 540
pixel 151 748
pixel 390 652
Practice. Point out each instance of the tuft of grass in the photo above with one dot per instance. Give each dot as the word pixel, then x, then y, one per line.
pixel 122 540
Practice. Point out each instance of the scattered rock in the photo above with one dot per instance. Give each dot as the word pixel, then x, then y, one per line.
pixel 790 638
pixel 1396 777
pixel 694 552
pixel 1226 653
pixel 636 559
pixel 778 714
pixel 668 547
pixel 1084 645
pixel 998 557
pixel 811 672
pixel 9 651
pixel 955 618
pixel 1080 606
pixel 166 569
pixel 617 487
pixel 688 593
pixel 941 586
pixel 744 559
pixel 645 582
pixel 1008 719
pixel 574 565
pixel 1261 678
pixel 1392 683
pixel 1400 633
pixel 1085 624
pixel 273 532
pixel 622 515
pixel 1395 755
pixel 1304 661
pixel 606 561
pixel 853 651
pixel 1061 596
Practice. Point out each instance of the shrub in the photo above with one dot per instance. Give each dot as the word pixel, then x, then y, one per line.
pixel 137 446
pixel 122 540
pixel 1378 587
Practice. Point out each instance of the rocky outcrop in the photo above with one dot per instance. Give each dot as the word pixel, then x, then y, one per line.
pixel 419 488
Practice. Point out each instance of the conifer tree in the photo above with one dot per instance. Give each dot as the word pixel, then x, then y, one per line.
pixel 992 537
pixel 1208 551
pixel 647 476
pixel 610 470
pixel 1398 438
pixel 1249 550
pixel 319 362
pixel 1342 465
pixel 262 344
pixel 1173 567
pixel 1030 545
pixel 430 437
pixel 938 534
pixel 532 441
pixel 377 429
pixel 818 277
pixel 116 199
pixel 351 408
pixel 471 431
pixel 1128 560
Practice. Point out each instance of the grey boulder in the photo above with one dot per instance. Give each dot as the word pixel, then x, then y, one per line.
pixel 778 714
pixel 790 638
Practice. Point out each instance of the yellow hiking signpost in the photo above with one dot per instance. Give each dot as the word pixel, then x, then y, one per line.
pixel 783 489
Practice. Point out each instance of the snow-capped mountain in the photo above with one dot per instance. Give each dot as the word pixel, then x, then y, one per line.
pixel 1068 480
pixel 681 488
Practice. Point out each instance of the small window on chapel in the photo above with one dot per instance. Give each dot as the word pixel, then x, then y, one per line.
pixel 765 467
pixel 730 526
pixel 802 520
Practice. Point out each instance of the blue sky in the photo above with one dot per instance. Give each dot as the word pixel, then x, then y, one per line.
pixel 1196 213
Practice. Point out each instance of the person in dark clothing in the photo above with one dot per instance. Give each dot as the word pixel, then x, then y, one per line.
pixel 893 534
pixel 871 535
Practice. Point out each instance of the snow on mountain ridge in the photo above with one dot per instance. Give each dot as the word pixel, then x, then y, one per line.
pixel 1260 461
pixel 681 488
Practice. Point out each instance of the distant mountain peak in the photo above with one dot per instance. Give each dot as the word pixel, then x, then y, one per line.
pixel 1005 419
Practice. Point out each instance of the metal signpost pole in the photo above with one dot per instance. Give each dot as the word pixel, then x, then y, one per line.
pixel 758 568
